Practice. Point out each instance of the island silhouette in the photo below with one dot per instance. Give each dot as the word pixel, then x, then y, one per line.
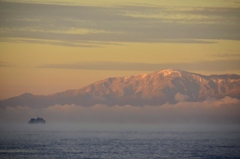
pixel 37 121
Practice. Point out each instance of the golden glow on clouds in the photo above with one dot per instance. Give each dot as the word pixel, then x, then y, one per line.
pixel 177 15
pixel 63 31
pixel 191 3
pixel 121 31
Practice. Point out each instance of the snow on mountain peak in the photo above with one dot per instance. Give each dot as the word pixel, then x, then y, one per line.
pixel 157 88
pixel 143 76
pixel 170 71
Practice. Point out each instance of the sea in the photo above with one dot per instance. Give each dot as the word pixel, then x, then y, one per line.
pixel 52 142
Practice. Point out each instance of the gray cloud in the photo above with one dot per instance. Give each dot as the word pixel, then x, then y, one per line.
pixel 61 43
pixel 216 65
pixel 211 111
pixel 228 55
pixel 126 23
pixel 6 64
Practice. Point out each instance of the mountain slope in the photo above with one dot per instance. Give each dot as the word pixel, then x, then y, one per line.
pixel 147 89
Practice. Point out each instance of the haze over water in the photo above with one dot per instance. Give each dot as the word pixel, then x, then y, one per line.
pixel 118 141
pixel 121 134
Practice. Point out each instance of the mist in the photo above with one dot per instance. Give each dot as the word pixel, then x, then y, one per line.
pixel 211 113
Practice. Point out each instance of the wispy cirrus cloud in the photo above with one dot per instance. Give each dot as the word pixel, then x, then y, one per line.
pixel 6 64
pixel 213 65
pixel 228 55
pixel 82 25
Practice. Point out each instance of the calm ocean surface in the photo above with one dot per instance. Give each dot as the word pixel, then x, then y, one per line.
pixel 80 144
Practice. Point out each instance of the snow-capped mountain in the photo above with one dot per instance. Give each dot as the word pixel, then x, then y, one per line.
pixel 156 88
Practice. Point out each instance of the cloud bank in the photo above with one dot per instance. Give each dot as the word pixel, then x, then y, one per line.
pixel 211 111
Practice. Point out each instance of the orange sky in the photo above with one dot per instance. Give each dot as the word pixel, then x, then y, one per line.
pixel 47 48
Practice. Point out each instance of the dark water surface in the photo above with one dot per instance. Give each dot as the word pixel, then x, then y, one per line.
pixel 81 144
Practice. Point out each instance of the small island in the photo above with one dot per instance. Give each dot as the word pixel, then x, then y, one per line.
pixel 37 121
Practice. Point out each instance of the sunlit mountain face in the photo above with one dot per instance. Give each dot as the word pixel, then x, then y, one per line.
pixel 157 88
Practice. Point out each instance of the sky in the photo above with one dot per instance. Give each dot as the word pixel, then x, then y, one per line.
pixel 49 46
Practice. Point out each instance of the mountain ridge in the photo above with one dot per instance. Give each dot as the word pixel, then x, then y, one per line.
pixel 157 88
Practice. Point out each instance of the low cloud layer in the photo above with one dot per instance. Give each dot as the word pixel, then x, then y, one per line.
pixel 211 111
